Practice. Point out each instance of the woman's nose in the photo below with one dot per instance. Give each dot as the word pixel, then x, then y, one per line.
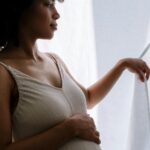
pixel 56 15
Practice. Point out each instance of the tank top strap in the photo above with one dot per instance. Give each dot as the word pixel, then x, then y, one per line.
pixel 52 55
pixel 8 68
pixel 5 66
pixel 10 71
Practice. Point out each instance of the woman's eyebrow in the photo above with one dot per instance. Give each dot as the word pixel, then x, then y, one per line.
pixel 51 1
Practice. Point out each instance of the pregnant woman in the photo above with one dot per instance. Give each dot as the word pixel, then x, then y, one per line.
pixel 41 105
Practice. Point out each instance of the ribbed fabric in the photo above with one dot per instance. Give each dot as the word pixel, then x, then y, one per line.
pixel 42 106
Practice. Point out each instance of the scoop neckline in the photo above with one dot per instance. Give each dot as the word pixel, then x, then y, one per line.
pixel 39 81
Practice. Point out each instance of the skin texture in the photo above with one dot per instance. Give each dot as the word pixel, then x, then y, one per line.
pixel 34 24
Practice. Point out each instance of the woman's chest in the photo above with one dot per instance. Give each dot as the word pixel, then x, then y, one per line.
pixel 47 72
pixel 41 106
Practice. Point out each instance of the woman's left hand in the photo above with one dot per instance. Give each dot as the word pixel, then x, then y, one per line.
pixel 137 66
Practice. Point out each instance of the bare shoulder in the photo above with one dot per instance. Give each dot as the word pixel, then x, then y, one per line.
pixel 5 116
pixel 5 77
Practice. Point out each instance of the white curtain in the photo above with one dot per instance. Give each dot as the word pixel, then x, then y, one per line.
pixel 139 126
pixel 121 31
pixel 139 129
pixel 74 41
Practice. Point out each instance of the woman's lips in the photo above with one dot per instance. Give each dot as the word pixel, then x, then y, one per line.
pixel 53 26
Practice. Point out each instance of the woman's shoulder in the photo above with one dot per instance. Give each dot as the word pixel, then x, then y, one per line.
pixel 3 60
pixel 61 61
pixel 52 54
pixel 4 73
pixel 56 57
pixel 5 77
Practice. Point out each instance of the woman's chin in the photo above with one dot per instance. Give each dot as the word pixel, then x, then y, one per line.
pixel 48 37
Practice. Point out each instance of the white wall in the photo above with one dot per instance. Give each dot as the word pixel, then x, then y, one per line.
pixel 121 30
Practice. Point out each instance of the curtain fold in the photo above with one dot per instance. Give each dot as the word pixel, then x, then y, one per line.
pixel 139 128
pixel 139 131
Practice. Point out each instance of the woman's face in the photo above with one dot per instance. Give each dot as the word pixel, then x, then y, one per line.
pixel 40 20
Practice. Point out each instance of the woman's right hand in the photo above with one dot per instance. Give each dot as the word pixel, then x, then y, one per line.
pixel 84 127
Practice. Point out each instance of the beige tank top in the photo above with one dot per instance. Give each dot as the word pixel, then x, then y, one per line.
pixel 42 106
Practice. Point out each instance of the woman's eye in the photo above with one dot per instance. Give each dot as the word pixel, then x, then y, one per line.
pixel 50 5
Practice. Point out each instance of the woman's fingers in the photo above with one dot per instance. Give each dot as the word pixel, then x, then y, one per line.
pixel 85 127
pixel 139 67
pixel 93 136
pixel 92 122
pixel 141 75
pixel 98 141
pixel 143 72
pixel 147 71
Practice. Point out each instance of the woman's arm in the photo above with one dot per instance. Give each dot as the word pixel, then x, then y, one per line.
pixel 97 91
pixel 53 138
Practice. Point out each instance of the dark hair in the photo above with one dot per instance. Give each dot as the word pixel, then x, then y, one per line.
pixel 10 14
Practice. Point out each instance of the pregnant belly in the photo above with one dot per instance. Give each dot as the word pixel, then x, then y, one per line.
pixel 79 144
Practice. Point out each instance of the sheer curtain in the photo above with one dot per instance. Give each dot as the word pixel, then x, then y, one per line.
pixel 74 41
pixel 139 128
pixel 121 31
